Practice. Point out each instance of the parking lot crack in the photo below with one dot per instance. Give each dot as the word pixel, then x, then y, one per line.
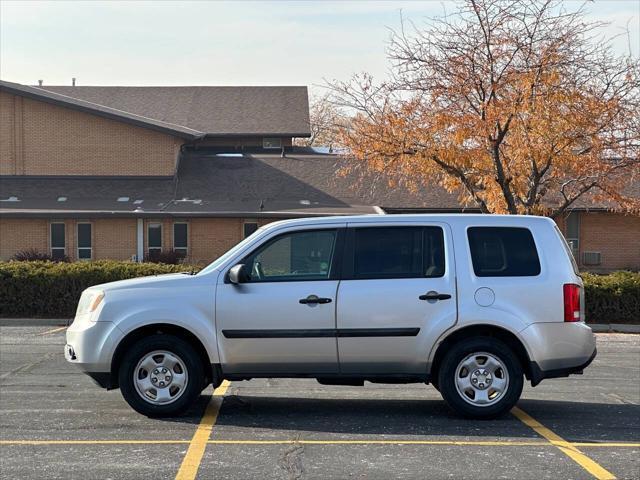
pixel 29 366
pixel 291 461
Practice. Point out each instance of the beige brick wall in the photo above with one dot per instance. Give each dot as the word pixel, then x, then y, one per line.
pixel 209 238
pixel 114 238
pixel 111 238
pixel 21 234
pixel 615 236
pixel 8 133
pixel 38 138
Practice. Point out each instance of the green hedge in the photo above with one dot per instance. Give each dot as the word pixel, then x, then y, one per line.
pixel 47 289
pixel 52 289
pixel 613 298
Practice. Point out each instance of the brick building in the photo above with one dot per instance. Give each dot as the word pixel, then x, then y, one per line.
pixel 127 172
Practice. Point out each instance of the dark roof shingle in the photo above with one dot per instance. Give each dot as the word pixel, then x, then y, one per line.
pixel 216 184
pixel 215 111
pixel 99 109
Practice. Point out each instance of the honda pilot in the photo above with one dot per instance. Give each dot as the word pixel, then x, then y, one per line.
pixel 471 304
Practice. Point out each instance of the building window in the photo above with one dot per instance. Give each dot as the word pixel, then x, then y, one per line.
pixel 248 228
pixel 58 243
pixel 84 241
pixel 154 239
pixel 573 233
pixel 180 238
pixel 272 143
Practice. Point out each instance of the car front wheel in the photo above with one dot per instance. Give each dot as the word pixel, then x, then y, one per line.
pixel 160 375
pixel 480 378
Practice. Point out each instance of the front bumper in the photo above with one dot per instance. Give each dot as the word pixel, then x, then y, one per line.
pixel 558 349
pixel 90 346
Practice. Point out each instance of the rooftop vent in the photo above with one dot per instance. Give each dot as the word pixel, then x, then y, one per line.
pixel 189 200
pixel 123 199
pixel 137 202
pixel 62 199
pixel 39 83
pixel 10 199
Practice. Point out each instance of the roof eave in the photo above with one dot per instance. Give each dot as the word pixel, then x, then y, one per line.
pixel 29 92
pixel 257 134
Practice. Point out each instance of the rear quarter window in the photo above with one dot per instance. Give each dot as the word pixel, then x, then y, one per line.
pixel 503 252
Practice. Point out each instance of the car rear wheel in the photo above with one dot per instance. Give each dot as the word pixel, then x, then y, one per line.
pixel 480 378
pixel 161 375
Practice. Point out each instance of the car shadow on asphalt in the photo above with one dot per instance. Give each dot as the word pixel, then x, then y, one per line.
pixel 574 421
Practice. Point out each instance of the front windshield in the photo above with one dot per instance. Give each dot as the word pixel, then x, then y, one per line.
pixel 222 259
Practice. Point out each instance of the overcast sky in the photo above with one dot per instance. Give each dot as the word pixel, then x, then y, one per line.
pixel 220 43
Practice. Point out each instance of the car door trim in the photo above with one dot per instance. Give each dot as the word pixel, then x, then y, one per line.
pixel 323 333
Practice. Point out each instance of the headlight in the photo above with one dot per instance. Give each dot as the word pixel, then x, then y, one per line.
pixel 89 301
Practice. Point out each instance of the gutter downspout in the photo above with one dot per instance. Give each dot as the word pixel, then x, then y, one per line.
pixel 140 240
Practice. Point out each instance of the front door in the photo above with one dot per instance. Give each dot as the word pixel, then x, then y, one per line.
pixel 396 296
pixel 281 319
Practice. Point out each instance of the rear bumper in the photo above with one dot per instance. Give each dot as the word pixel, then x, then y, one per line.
pixel 558 349
pixel 537 375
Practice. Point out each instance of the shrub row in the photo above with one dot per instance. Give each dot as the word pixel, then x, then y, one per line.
pixel 613 298
pixel 52 289
pixel 48 289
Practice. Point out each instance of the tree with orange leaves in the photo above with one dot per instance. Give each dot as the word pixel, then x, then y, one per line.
pixel 517 106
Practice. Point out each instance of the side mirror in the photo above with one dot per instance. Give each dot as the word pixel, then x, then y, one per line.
pixel 237 274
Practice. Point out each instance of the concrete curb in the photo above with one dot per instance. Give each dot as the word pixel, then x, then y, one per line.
pixel 614 327
pixel 37 322
pixel 34 322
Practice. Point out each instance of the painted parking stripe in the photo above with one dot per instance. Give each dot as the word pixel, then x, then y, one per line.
pixel 191 462
pixel 54 330
pixel 471 443
pixel 568 448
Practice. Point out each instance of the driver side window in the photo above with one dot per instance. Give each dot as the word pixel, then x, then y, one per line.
pixel 305 255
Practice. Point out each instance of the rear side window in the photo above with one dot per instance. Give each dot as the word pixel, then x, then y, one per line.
pixel 503 252
pixel 398 252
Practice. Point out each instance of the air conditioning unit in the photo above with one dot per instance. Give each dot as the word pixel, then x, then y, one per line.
pixel 591 258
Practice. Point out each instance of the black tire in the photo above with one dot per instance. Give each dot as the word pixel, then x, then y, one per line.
pixel 447 377
pixel 171 344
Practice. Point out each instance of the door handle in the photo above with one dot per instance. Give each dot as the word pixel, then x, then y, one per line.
pixel 313 300
pixel 434 296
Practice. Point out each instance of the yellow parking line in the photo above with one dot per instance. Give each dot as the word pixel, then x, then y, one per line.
pixel 480 443
pixel 191 462
pixel 92 442
pixel 565 447
pixel 606 444
pixel 59 329
pixel 382 442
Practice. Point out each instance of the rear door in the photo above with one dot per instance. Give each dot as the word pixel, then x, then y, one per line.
pixel 396 296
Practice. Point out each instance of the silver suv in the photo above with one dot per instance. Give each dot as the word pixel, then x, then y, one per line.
pixel 472 304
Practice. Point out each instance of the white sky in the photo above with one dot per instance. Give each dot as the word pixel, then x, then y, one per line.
pixel 221 43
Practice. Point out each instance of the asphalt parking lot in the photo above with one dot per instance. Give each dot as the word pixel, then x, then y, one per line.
pixel 54 423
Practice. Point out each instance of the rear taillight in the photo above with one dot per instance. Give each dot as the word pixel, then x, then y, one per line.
pixel 571 302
